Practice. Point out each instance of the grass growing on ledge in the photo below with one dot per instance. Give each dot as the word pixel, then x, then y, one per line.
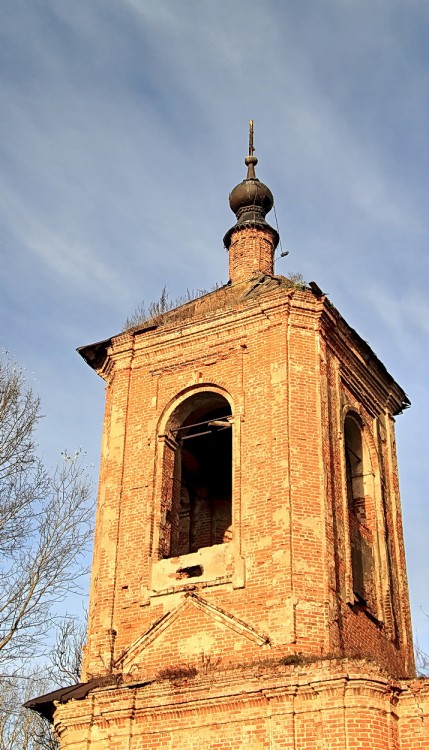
pixel 177 672
pixel 154 313
pixel 156 310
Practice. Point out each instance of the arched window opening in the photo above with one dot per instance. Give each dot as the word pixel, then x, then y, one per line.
pixel 360 502
pixel 201 503
pixel 355 469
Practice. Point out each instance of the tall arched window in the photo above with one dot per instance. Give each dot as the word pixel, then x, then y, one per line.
pixel 198 492
pixel 360 503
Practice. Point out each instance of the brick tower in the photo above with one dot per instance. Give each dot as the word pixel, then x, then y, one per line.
pixel 248 585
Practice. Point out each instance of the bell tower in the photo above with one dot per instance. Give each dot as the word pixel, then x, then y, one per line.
pixel 248 584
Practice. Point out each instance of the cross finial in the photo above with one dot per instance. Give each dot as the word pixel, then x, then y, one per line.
pixel 251 160
pixel 251 146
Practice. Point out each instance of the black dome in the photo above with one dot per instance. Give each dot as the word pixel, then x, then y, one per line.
pixel 250 200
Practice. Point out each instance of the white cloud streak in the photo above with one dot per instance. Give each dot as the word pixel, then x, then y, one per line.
pixel 124 127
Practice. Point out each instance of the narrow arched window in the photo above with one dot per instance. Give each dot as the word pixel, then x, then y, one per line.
pixel 200 506
pixel 360 503
pixel 355 470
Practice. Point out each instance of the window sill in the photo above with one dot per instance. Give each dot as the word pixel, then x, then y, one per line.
pixel 215 563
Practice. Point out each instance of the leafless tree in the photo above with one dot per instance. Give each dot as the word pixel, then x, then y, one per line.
pixel 20 728
pixel 422 657
pixel 65 658
pixel 422 663
pixel 44 524
pixel 45 529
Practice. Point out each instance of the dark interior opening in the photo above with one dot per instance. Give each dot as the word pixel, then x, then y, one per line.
pixel 355 469
pixel 192 571
pixel 360 541
pixel 204 465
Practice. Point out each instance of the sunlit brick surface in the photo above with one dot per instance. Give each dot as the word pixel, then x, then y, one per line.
pixel 268 646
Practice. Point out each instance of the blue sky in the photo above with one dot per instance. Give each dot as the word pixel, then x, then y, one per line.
pixel 123 128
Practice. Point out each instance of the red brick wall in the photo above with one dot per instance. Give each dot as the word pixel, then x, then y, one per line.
pixel 290 550
pixel 329 705
pixel 251 253
pixel 291 370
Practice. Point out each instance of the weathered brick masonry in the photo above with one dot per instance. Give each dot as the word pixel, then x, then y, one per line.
pixel 280 357
pixel 248 586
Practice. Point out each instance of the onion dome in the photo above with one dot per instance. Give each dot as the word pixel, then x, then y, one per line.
pixel 251 200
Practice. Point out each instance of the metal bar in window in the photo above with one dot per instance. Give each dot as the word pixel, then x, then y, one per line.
pixel 199 424
pixel 197 434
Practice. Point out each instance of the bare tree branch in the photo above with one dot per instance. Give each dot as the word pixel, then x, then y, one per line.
pixel 66 656
pixel 45 530
pixel 21 729
pixel 45 524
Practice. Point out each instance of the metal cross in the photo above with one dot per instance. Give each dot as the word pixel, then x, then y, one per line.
pixel 251 146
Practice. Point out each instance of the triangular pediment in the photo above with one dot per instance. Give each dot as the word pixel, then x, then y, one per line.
pixel 197 622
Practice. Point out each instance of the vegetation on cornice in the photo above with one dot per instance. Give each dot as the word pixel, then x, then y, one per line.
pixel 156 312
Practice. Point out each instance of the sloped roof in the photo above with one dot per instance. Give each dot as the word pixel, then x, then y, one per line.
pixel 45 704
pixel 224 297
pixel 230 296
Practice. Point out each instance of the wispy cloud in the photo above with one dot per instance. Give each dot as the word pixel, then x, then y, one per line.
pixel 124 127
